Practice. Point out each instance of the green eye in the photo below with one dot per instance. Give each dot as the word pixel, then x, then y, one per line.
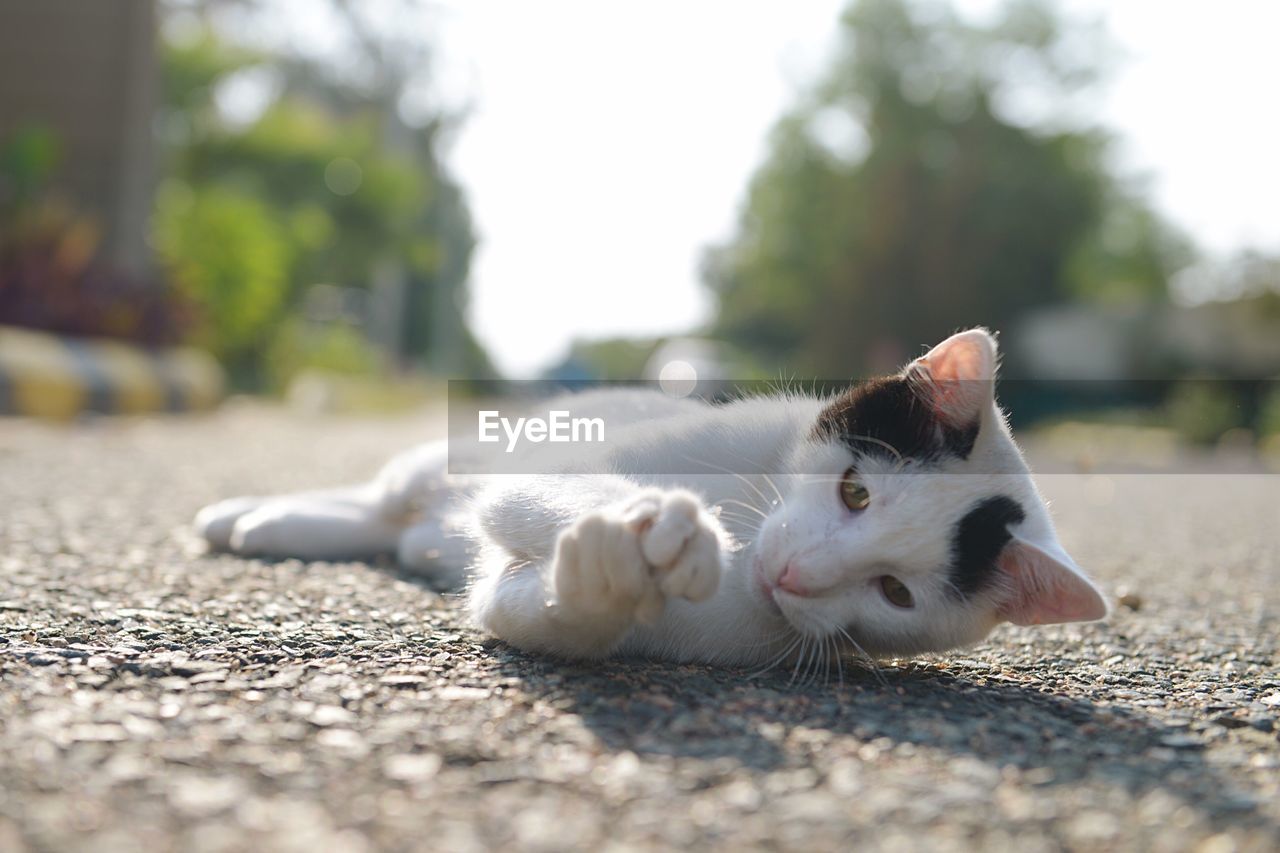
pixel 896 591
pixel 853 493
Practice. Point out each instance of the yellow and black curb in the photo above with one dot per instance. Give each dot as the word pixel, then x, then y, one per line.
pixel 49 376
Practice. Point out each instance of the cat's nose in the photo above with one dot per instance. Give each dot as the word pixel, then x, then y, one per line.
pixel 789 580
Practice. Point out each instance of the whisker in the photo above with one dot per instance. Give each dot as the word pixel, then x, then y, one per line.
pixel 811 668
pixel 952 586
pixel 873 440
pixel 773 638
pixel 754 523
pixel 744 505
pixel 744 534
pixel 804 648
pixel 730 472
pixel 741 528
pixel 821 662
pixel 782 501
pixel 875 668
pixel 777 660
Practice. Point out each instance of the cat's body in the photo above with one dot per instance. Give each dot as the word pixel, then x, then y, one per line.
pixel 896 518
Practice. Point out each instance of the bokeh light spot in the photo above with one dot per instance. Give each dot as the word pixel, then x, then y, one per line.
pixel 343 176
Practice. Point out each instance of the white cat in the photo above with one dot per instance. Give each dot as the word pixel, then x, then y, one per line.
pixel 895 518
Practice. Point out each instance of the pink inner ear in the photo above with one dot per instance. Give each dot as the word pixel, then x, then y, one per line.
pixel 967 357
pixel 961 371
pixel 1044 590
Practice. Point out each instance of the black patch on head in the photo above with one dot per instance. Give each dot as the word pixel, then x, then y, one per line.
pixel 977 541
pixel 890 410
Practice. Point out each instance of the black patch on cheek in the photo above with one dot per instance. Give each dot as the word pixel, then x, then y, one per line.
pixel 977 541
pixel 891 411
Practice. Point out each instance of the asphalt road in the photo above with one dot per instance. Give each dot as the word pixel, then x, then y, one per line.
pixel 155 698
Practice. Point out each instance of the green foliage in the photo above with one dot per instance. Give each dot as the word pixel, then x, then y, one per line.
pixel 332 349
pixel 28 157
pixel 1127 257
pixel 902 199
pixel 288 158
pixel 614 358
pixel 254 214
pixel 1269 417
pixel 226 250
pixel 1202 410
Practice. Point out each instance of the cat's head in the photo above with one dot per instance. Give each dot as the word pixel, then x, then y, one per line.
pixel 912 522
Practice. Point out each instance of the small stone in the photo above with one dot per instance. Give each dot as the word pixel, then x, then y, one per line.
pixel 411 768
pixel 1130 601
pixel 331 715
pixel 1228 721
pixel 192 668
pixel 1221 843
pixel 404 680
pixel 209 677
pixel 202 797
pixel 343 740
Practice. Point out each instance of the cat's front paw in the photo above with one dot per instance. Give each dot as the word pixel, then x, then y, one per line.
pixel 624 562
pixel 216 522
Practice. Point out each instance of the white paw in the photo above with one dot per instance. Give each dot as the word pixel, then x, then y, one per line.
pixel 624 562
pixel 215 522
pixel 435 548
pixel 262 532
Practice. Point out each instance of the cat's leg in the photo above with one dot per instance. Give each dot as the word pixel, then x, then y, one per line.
pixel 347 525
pixel 570 566
pixel 416 482
pixel 215 522
pixel 435 546
pixel 357 521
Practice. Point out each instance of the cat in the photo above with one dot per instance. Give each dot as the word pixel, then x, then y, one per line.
pixel 895 518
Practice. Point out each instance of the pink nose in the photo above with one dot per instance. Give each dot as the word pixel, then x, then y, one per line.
pixel 789 580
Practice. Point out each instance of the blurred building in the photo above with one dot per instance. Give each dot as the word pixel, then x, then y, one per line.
pixel 1239 339
pixel 87 72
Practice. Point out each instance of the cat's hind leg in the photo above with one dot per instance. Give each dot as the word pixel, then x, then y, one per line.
pixel 352 522
pixel 216 523
pixel 316 527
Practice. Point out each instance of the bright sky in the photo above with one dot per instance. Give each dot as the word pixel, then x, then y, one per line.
pixel 611 142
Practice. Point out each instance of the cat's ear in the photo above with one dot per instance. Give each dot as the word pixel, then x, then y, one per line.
pixel 1045 588
pixel 957 377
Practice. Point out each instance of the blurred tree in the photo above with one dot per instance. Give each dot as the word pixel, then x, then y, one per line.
pixel 1248 274
pixel 609 358
pixel 938 177
pixel 339 186
pixel 231 257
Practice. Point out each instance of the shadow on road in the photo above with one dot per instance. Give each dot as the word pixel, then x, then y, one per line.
pixel 765 723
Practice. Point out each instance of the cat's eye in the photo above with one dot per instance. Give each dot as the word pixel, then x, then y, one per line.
pixel 896 592
pixel 853 493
